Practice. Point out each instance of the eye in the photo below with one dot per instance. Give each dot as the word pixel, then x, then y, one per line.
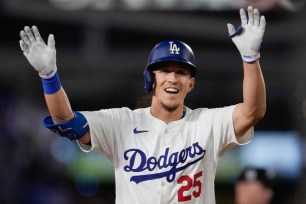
pixel 183 72
pixel 164 70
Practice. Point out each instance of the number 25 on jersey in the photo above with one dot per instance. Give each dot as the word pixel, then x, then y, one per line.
pixel 192 185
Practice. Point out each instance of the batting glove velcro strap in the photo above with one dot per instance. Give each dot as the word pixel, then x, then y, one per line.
pixel 74 129
pixel 248 36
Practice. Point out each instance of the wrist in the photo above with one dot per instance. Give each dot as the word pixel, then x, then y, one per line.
pixel 48 73
pixel 250 58
pixel 51 85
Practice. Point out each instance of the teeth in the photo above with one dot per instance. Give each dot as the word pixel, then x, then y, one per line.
pixel 171 90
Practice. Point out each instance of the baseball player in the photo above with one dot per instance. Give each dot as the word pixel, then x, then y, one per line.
pixel 255 186
pixel 166 153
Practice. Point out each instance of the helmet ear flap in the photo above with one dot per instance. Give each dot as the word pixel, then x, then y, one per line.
pixel 148 81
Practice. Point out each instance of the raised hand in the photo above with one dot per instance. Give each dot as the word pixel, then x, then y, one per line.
pixel 248 36
pixel 41 56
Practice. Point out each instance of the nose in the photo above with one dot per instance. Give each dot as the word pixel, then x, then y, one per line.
pixel 172 77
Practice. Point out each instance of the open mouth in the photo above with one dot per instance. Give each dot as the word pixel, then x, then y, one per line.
pixel 172 90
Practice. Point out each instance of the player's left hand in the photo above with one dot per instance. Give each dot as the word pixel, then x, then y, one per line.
pixel 248 36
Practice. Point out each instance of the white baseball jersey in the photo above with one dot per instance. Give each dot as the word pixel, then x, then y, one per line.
pixel 163 163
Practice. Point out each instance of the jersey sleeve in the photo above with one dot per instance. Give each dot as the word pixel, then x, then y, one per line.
pixel 223 128
pixel 103 126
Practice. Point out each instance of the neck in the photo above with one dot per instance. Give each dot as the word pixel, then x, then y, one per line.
pixel 166 115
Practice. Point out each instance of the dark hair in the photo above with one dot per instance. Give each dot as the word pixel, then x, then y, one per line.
pixel 265 176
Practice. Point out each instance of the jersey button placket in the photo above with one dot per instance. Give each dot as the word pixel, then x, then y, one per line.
pixel 165 139
pixel 165 192
pixel 164 185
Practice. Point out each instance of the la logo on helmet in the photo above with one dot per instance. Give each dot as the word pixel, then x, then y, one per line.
pixel 173 48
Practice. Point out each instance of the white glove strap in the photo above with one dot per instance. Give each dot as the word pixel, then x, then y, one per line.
pixel 48 73
pixel 250 57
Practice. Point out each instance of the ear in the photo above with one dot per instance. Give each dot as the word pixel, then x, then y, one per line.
pixel 153 81
pixel 191 84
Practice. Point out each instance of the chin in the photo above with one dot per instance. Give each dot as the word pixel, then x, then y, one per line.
pixel 170 107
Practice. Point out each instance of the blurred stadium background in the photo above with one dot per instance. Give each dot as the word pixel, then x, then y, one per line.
pixel 102 47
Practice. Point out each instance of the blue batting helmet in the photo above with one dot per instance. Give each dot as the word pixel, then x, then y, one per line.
pixel 168 51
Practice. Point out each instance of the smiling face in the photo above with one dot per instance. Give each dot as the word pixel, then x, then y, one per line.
pixel 171 84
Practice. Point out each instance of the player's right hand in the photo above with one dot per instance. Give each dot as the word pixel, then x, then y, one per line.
pixel 41 56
